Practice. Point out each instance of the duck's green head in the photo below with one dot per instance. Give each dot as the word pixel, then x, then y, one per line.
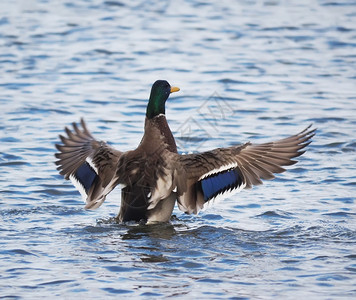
pixel 159 94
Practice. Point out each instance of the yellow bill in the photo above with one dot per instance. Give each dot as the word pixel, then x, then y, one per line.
pixel 174 89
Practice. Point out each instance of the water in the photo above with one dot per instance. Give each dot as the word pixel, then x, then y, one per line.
pixel 249 70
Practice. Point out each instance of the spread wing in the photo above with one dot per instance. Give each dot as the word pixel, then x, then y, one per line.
pixel 90 164
pixel 205 177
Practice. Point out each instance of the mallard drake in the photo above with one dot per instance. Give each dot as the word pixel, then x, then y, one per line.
pixel 154 176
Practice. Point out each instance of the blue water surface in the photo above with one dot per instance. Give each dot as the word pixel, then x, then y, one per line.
pixel 248 71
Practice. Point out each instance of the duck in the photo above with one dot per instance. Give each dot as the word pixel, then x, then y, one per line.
pixel 154 177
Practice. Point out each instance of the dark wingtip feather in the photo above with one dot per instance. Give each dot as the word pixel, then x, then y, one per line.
pixel 68 131
pixel 76 129
pixel 299 153
pixel 281 170
pixel 307 143
pixel 63 139
pixel 58 163
pixel 82 122
pixel 312 132
pixel 85 128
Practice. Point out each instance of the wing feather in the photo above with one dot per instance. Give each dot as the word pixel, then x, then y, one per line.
pixel 90 164
pixel 252 163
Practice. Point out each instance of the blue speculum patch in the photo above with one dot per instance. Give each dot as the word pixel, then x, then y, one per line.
pixel 86 176
pixel 220 182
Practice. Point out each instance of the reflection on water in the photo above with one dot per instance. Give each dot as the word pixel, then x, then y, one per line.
pixel 248 71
